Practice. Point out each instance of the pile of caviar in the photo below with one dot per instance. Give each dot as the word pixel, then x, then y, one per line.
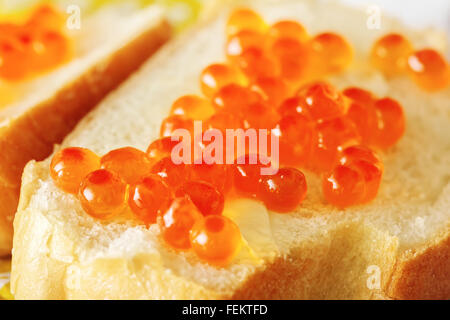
pixel 34 47
pixel 393 55
pixel 321 129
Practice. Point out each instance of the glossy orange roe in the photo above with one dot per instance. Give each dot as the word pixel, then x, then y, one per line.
pixel 218 175
pixel 103 194
pixel 235 98
pixel 243 41
pixel 245 19
pixel 216 240
pixel 296 133
pixel 207 198
pixel 332 52
pixel 129 163
pixel 344 186
pixel 284 191
pixel 288 29
pixel 192 106
pixel 369 165
pixel 177 222
pixel 294 105
pixel 247 175
pixel 160 148
pixel 390 54
pixel 330 137
pixel 390 123
pixel 218 75
pixel 293 57
pixel 362 113
pixel 148 198
pixel 256 63
pixel 37 46
pixel 172 174
pixel 69 166
pixel 172 123
pixel 274 90
pixel 323 101
pixel 429 69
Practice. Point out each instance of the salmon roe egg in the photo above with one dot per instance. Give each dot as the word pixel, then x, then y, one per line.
pixel 256 63
pixel 129 163
pixel 330 137
pixel 12 59
pixel 216 240
pixel 235 98
pixel 243 41
pixel 294 105
pixel 361 112
pixel 323 101
pixel 160 148
pixel 193 107
pixel 429 69
pixel 288 29
pixel 390 54
pixel 295 138
pixel 103 194
pixel 390 123
pixel 247 175
pixel 332 52
pixel 245 19
pixel 148 198
pixel 177 222
pixel 218 175
pixel 283 191
pixel 344 186
pixel 69 166
pixel 218 75
pixel 368 163
pixel 207 198
pixel 172 174
pixel 46 17
pixel 293 57
pixel 274 90
pixel 172 123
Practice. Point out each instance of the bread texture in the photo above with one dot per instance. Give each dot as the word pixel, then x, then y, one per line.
pixel 109 46
pixel 396 247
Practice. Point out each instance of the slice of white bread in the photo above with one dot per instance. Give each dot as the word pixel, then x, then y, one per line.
pixel 110 45
pixel 396 247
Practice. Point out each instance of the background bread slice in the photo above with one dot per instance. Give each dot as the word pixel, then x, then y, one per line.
pixel 396 247
pixel 110 45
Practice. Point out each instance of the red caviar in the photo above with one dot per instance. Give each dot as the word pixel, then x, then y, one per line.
pixel 207 198
pixel 288 29
pixel 390 123
pixel 172 174
pixel 218 175
pixel 192 106
pixel 293 57
pixel 323 101
pixel 362 113
pixel 46 17
pixel 274 90
pixel 103 194
pixel 148 198
pixel 429 69
pixel 256 63
pixel 333 52
pixel 160 148
pixel 294 105
pixel 243 41
pixel 296 133
pixel 344 186
pixel 390 54
pixel 330 137
pixel 283 191
pixel 69 166
pixel 216 240
pixel 177 222
pixel 129 163
pixel 218 75
pixel 172 123
pixel 247 175
pixel 245 19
